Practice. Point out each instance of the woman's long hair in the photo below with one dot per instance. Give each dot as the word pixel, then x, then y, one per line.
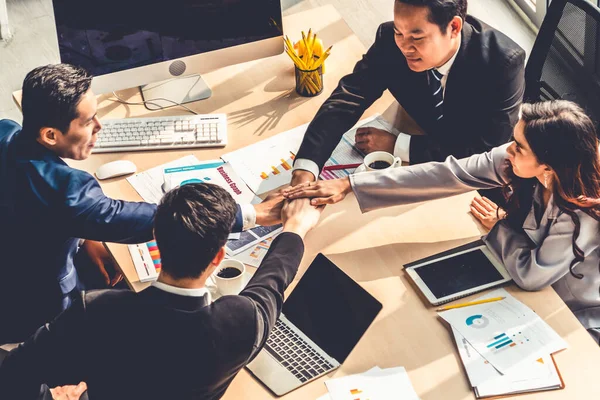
pixel 562 137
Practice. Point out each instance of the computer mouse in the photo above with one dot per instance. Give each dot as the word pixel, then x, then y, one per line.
pixel 115 168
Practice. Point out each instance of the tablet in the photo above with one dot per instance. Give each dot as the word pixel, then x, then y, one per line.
pixel 457 274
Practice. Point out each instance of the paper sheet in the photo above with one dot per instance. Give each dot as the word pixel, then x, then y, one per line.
pixel 253 256
pixel 375 384
pixel 267 165
pixel 506 332
pixel 346 153
pixel 149 183
pixel 251 238
pixel 146 260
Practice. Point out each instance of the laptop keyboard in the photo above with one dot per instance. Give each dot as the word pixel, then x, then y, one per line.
pixel 295 354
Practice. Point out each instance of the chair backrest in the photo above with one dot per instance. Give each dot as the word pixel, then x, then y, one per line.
pixel 565 59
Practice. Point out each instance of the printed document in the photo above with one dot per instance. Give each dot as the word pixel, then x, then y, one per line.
pixel 267 165
pixel 506 333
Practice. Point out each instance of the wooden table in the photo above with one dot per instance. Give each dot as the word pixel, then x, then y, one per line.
pixel 259 100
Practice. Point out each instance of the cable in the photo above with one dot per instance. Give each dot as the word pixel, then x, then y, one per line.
pixel 151 101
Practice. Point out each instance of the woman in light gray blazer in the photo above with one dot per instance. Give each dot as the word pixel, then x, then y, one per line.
pixel 549 234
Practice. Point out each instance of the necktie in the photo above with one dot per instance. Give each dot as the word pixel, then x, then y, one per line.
pixel 435 84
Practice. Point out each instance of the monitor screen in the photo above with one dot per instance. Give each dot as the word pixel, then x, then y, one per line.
pixel 106 36
pixel 330 308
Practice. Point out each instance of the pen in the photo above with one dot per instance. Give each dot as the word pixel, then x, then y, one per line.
pixel 340 166
pixel 470 303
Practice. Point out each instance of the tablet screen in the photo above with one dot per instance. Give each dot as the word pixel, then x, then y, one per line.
pixel 458 273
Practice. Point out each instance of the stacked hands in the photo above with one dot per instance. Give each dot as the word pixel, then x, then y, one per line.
pixel 304 190
pixel 333 191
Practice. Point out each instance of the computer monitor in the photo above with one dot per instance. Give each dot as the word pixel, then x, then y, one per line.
pixel 128 43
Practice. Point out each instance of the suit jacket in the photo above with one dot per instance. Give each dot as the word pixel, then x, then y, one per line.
pixel 536 257
pixel 481 103
pixel 45 208
pixel 154 344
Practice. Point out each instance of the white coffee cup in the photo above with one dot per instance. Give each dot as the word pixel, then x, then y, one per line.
pixel 233 285
pixel 381 156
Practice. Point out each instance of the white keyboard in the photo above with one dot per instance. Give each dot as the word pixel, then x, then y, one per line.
pixel 158 133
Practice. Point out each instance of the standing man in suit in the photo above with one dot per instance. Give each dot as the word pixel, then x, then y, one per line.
pixel 169 341
pixel 459 79
pixel 47 207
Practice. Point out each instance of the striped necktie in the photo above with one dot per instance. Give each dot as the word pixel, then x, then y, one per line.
pixel 435 84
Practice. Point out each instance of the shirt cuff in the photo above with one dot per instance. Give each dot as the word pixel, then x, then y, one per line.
pixel 307 165
pixel 402 147
pixel 248 216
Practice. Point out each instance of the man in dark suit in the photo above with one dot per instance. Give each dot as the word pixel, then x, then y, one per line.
pixel 47 207
pixel 459 79
pixel 169 341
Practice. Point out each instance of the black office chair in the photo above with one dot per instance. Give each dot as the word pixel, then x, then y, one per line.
pixel 565 59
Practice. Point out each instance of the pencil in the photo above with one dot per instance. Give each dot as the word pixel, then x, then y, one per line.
pixel 470 303
pixel 340 166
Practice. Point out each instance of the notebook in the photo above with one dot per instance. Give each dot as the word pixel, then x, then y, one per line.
pixel 457 273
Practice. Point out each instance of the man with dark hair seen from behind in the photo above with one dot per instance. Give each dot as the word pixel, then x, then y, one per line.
pixel 117 341
pixel 47 207
pixel 459 79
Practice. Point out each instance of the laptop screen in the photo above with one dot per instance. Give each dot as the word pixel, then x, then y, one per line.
pixel 330 308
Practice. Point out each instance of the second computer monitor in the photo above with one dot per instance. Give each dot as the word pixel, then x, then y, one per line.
pixel 127 43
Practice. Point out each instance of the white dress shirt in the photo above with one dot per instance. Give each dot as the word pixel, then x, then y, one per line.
pixel 248 216
pixel 198 292
pixel 402 146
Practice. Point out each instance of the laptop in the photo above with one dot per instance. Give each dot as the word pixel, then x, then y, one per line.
pixel 322 320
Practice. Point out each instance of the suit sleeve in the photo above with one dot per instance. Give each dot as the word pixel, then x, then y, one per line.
pixel 266 288
pixel 353 95
pixel 51 356
pixel 433 180
pixel 536 267
pixel 504 96
pixel 95 216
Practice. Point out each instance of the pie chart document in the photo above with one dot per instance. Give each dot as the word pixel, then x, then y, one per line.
pixel 506 333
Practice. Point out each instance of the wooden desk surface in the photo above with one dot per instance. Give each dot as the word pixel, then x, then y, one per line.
pixel 259 100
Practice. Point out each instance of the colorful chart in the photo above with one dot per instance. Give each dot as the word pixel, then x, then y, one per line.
pixel 286 165
pixel 500 341
pixel 357 392
pixel 477 321
pixel 154 254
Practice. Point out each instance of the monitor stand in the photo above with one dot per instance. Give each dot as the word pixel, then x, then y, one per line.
pixel 181 90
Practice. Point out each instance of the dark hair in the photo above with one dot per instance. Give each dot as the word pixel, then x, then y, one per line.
pixel 51 95
pixel 563 137
pixel 441 12
pixel 191 224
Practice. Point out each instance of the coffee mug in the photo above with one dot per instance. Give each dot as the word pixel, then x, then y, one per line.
pixel 229 276
pixel 379 160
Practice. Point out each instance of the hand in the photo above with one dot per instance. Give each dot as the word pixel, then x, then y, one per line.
pixel 301 176
pixel 102 259
pixel 299 216
pixel 269 211
pixel 68 392
pixel 321 192
pixel 372 139
pixel 486 211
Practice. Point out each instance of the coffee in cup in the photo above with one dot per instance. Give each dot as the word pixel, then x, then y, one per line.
pixel 229 277
pixel 379 164
pixel 228 272
pixel 379 160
